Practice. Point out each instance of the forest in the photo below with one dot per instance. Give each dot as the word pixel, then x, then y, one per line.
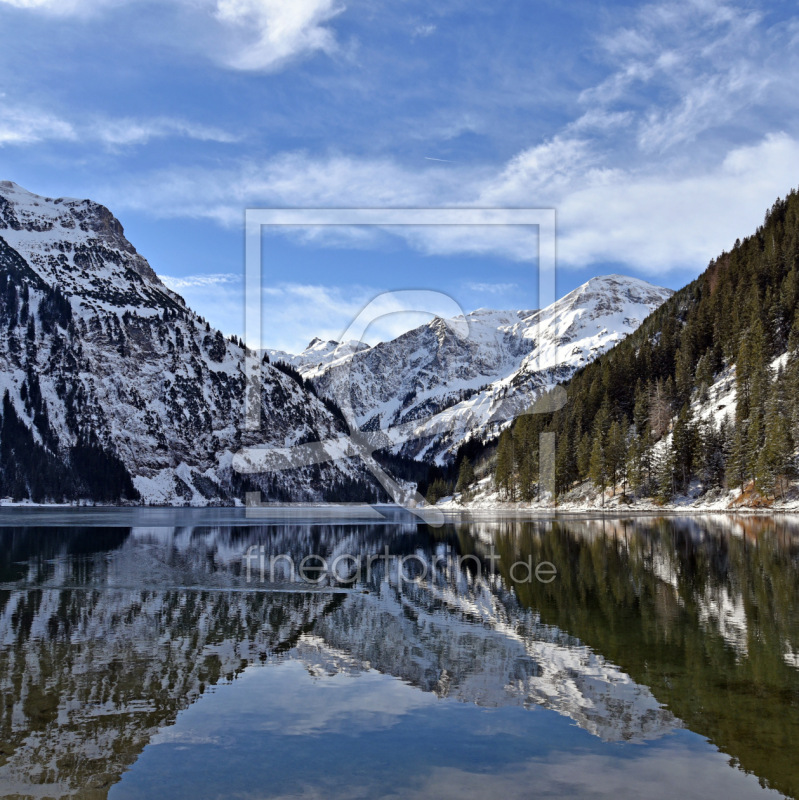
pixel 638 420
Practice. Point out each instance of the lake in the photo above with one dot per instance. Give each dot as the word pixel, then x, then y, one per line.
pixel 150 653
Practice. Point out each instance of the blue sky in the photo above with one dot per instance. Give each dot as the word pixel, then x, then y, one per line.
pixel 660 132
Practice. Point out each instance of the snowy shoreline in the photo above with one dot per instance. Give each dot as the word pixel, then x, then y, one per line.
pixel 454 509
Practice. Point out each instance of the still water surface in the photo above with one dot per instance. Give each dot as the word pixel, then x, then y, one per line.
pixel 141 658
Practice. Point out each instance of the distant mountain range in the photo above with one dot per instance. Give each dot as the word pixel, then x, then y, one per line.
pixel 447 381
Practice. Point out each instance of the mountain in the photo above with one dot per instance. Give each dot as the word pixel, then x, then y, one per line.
pixel 115 390
pixel 699 405
pixel 318 355
pixel 438 385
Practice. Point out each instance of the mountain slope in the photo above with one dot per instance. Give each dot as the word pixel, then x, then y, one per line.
pixel 442 383
pixel 107 369
pixel 701 399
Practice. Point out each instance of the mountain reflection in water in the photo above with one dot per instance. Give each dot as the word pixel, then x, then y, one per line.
pixel 652 627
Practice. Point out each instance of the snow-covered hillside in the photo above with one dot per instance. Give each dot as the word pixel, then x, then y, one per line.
pixel 100 355
pixel 432 388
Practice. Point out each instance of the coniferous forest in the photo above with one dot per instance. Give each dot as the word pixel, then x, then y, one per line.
pixel 644 419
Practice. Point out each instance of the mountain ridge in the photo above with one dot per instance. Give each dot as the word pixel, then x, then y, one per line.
pixel 100 354
pixel 432 389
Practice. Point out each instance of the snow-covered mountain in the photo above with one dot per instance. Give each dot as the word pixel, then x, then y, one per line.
pixel 318 355
pixel 115 387
pixel 436 386
pixel 112 378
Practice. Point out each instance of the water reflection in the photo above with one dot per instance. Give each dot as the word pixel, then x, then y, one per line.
pixel 651 626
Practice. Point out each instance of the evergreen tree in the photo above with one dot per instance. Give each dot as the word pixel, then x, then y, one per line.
pixel 597 469
pixel 683 443
pixel 616 454
pixel 710 459
pixel 584 455
pixel 465 475
pixel 775 462
pixel 665 477
pixel 737 456
pixel 504 478
pixel 741 313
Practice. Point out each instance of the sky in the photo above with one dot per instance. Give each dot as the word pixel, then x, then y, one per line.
pixel 660 133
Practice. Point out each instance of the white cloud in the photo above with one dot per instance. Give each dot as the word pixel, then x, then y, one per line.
pixel 642 176
pixel 179 283
pixel 286 309
pixel 701 61
pixel 644 217
pixel 273 32
pixel 19 126
pixel 424 30
pixel 660 222
pixel 59 7
pixel 24 125
pixel 255 35
pixel 492 288
pixel 293 313
pixel 289 179
pixel 543 171
pixel 126 131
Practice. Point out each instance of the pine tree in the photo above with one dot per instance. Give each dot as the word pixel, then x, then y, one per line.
pixel 664 467
pixel 742 312
pixel 775 462
pixel 597 469
pixel 683 443
pixel 504 478
pixel 616 454
pixel 737 458
pixel 465 475
pixel 635 467
pixel 660 408
pixel 710 454
pixel 584 455
pixel 704 374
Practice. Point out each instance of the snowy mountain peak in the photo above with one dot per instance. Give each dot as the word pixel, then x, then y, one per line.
pixel 318 355
pixel 433 387
pixel 618 287
pixel 79 246
pixel 115 387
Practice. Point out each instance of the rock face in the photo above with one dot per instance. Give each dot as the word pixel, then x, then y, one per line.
pixel 115 388
pixel 444 382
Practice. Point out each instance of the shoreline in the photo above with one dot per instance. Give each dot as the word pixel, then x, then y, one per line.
pixel 450 510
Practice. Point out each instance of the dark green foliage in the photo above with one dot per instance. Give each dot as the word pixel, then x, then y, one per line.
pixel 27 469
pixel 30 470
pixel 100 474
pixel 309 387
pixel 422 473
pixel 465 476
pixel 438 488
pixel 54 310
pixel 353 490
pixel 215 345
pixel 742 312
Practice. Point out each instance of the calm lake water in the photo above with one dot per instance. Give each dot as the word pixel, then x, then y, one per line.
pixel 192 654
